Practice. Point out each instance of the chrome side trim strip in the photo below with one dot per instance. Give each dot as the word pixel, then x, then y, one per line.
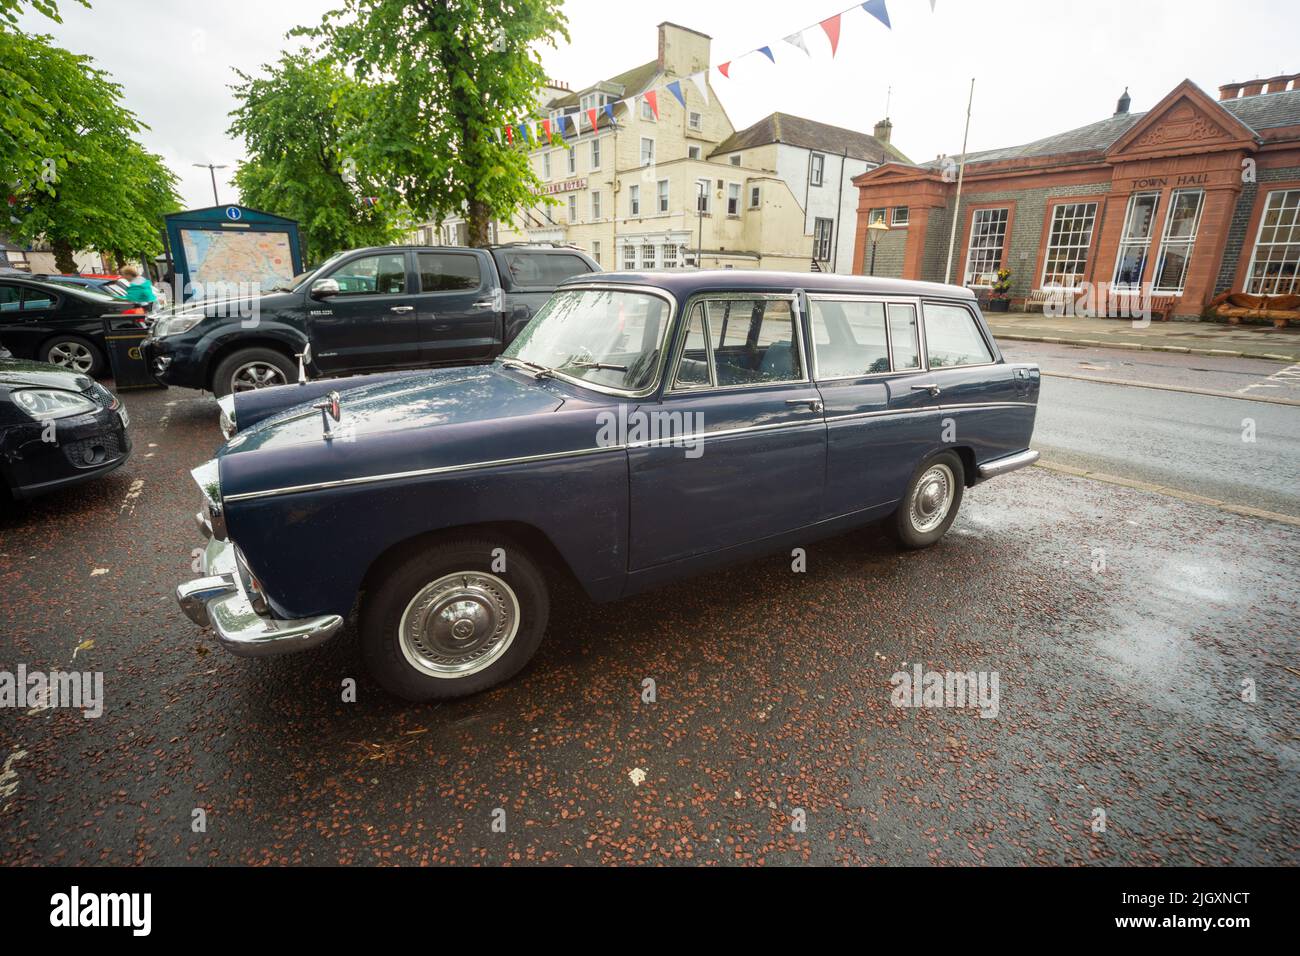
pixel 881 413
pixel 1000 466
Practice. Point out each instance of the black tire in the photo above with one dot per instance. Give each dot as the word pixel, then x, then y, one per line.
pixel 61 349
pixel 908 525
pixel 393 661
pixel 222 378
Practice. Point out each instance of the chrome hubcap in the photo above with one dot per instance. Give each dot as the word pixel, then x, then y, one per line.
pixel 255 375
pixel 931 498
pixel 72 355
pixel 459 625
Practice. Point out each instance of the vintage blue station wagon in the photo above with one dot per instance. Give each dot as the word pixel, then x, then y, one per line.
pixel 642 427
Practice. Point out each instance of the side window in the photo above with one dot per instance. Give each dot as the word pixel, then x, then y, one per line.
pixel 449 272
pixel 952 338
pixel 34 299
pixel 753 342
pixel 547 269
pixel 904 345
pixel 372 275
pixel 9 296
pixel 694 368
pixel 849 338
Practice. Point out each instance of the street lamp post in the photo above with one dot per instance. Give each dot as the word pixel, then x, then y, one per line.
pixel 877 229
pixel 212 171
pixel 700 187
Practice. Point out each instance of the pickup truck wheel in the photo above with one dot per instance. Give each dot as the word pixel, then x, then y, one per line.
pixel 445 623
pixel 248 369
pixel 930 505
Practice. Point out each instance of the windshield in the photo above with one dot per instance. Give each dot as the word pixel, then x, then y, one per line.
pixel 597 336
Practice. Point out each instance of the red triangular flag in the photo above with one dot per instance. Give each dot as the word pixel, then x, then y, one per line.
pixel 591 115
pixel 832 27
pixel 653 99
pixel 546 128
pixel 723 68
pixel 510 136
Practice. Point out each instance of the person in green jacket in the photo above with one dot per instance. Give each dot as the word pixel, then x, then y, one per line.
pixel 138 288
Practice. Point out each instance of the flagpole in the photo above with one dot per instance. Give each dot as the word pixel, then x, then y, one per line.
pixel 961 175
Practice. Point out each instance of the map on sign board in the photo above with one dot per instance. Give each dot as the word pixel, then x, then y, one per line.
pixel 247 257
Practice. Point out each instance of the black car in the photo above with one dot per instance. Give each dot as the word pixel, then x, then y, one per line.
pixel 57 428
pixel 59 324
pixel 365 310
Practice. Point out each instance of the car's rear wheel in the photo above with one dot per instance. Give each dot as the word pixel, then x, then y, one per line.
pixel 930 505
pixel 453 619
pixel 75 354
pixel 250 369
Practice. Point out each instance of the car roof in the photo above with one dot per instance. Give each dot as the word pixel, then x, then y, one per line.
pixel 684 283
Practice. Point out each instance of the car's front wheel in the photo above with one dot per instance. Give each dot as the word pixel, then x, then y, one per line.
pixel 453 619
pixel 930 505
pixel 249 369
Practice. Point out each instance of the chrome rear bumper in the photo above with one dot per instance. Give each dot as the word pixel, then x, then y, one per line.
pixel 218 600
pixel 1000 466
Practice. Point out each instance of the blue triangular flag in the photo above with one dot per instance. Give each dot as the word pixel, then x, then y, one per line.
pixel 609 111
pixel 877 9
pixel 523 132
pixel 560 120
pixel 767 52
pixel 675 88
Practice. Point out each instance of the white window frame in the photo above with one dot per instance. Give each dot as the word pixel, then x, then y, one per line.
pixel 595 204
pixel 595 250
pixel 629 256
pixel 647 114
pixel 1187 243
pixel 693 152
pixel 1288 201
pixel 573 159
pixel 816 169
pixel 703 203
pixel 573 207
pixel 981 218
pixel 662 193
pixel 647 157
pixel 652 261
pixel 734 159
pixel 823 232
pixel 694 120
pixel 1128 242
pixel 634 200
pixel 546 164
pixel 735 196
pixel 900 221
pixel 755 197
pixel 1079 251
pixel 668 256
pixel 595 153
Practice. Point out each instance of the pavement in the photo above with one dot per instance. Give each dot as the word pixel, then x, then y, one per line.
pixel 1196 338
pixel 1144 647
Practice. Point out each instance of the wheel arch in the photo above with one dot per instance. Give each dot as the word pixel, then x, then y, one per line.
pixel 227 349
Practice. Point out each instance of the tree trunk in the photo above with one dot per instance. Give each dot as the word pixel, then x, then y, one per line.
pixel 477 220
pixel 63 259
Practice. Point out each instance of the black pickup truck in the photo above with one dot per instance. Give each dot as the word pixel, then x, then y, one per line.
pixel 364 310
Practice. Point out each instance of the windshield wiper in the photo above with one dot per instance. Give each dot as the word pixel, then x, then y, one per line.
pixel 539 371
pixel 597 365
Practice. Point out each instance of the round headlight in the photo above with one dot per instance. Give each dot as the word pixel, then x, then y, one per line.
pixel 47 403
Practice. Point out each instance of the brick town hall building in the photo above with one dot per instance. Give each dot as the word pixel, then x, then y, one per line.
pixel 1195 196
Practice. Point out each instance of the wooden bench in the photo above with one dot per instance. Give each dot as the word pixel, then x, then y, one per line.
pixel 1235 306
pixel 1041 297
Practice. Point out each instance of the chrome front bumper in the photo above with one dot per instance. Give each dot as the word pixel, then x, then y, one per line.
pixel 1000 466
pixel 218 600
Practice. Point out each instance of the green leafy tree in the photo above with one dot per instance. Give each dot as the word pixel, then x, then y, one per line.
pixel 289 121
pixel 9 10
pixel 438 81
pixel 83 181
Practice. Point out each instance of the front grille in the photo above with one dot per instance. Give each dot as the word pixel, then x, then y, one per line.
pixel 99 395
pixel 95 451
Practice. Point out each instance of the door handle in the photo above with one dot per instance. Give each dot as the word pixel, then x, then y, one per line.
pixel 402 308
pixel 932 389
pixel 486 304
pixel 814 403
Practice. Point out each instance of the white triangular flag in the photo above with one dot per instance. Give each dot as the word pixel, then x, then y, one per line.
pixel 796 39
pixel 701 81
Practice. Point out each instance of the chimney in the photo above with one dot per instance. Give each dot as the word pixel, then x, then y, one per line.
pixel 1121 107
pixel 1229 91
pixel 1279 84
pixel 1253 88
pixel 883 129
pixel 682 51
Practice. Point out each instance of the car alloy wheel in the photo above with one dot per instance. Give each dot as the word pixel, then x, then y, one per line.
pixel 932 496
pixel 459 625
pixel 253 375
pixel 71 355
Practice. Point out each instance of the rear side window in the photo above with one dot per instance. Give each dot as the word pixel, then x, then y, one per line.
pixel 35 299
pixel 9 296
pixel 449 272
pixel 953 338
pixel 547 269
pixel 849 338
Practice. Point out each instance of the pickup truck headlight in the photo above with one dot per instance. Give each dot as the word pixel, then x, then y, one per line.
pixel 176 324
pixel 46 403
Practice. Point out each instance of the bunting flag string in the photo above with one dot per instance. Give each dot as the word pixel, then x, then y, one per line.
pixel 563 123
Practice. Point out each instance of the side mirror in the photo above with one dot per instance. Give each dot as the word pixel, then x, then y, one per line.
pixel 324 288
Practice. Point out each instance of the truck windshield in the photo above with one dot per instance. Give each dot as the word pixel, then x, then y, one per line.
pixel 599 337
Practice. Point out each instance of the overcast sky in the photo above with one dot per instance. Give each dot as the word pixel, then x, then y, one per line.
pixel 1041 66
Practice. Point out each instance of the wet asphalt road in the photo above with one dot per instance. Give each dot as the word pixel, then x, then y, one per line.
pixel 1120 691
